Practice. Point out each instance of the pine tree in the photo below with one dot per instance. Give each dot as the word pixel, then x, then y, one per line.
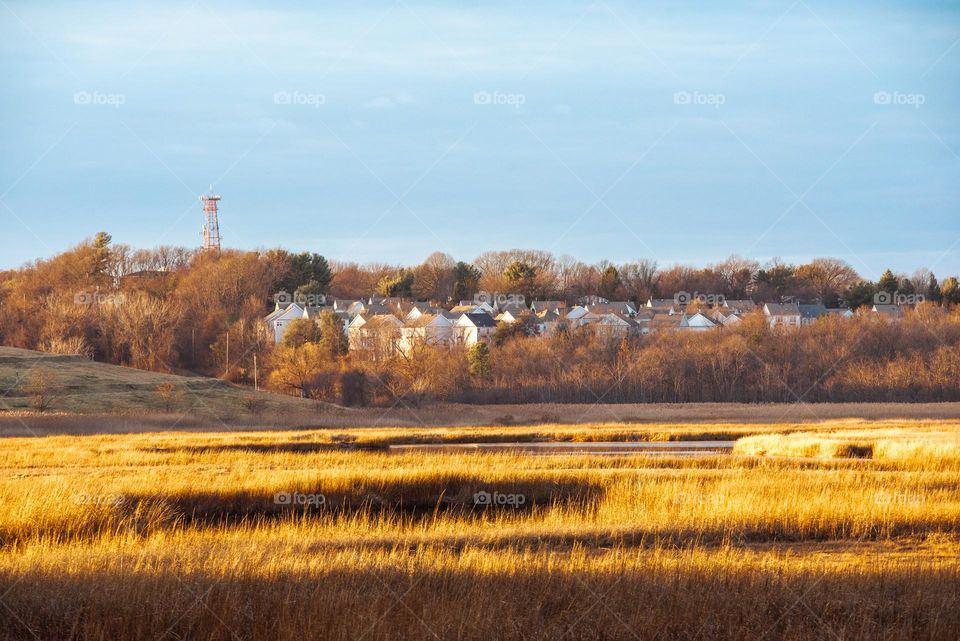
pixel 933 290
pixel 888 282
pixel 100 258
pixel 466 279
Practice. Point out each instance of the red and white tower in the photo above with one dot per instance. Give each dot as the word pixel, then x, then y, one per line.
pixel 211 226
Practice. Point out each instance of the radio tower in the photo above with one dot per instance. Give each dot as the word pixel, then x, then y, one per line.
pixel 211 227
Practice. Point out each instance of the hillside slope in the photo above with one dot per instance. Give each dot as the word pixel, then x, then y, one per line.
pixel 82 386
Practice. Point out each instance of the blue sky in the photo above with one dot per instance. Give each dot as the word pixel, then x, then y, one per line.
pixel 382 131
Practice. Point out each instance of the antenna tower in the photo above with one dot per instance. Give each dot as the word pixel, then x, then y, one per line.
pixel 211 226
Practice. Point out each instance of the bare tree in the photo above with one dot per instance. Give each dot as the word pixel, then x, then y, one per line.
pixel 43 387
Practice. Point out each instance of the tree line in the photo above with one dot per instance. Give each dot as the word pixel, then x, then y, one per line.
pixel 174 309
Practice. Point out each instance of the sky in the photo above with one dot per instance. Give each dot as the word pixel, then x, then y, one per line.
pixel 383 131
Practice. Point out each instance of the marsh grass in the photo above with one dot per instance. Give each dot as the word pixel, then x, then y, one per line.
pixel 929 444
pixel 180 535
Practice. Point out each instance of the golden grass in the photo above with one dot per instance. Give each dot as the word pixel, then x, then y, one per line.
pixel 179 536
pixel 930 443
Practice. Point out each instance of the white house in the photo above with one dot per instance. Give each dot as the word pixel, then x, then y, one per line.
pixel 889 312
pixel 782 314
pixel 508 316
pixel 575 315
pixel 615 325
pixel 425 329
pixel 725 316
pixel 697 322
pixel 377 334
pixel 278 319
pixel 550 322
pixel 471 329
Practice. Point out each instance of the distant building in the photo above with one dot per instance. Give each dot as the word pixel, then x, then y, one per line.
pixel 782 314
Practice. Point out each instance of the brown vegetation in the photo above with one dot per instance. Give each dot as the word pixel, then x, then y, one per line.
pixel 170 310
pixel 182 535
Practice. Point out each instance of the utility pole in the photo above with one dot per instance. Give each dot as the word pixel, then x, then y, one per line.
pixel 226 372
pixel 256 387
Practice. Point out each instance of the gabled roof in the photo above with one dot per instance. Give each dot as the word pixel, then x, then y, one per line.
pixel 620 307
pixel 293 310
pixel 839 311
pixel 614 318
pixel 477 320
pixel 343 304
pixel 513 308
pixel 546 305
pixel 664 321
pixel 781 309
pixel 660 302
pixel 377 309
pixel 813 310
pixel 577 311
pixel 468 309
pixel 894 311
pixel 697 319
pixel 428 319
pixel 382 321
pixel 741 305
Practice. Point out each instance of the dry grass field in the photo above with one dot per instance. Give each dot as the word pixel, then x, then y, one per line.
pixel 85 387
pixel 327 534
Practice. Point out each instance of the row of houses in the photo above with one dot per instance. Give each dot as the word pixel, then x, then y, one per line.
pixel 383 325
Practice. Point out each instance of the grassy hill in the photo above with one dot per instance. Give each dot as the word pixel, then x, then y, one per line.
pixel 82 386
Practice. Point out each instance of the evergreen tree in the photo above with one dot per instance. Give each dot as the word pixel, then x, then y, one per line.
pixel 950 290
pixel 860 294
pixel 933 290
pixel 100 258
pixel 333 342
pixel 307 268
pixel 400 284
pixel 466 280
pixel 478 358
pixel 888 282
